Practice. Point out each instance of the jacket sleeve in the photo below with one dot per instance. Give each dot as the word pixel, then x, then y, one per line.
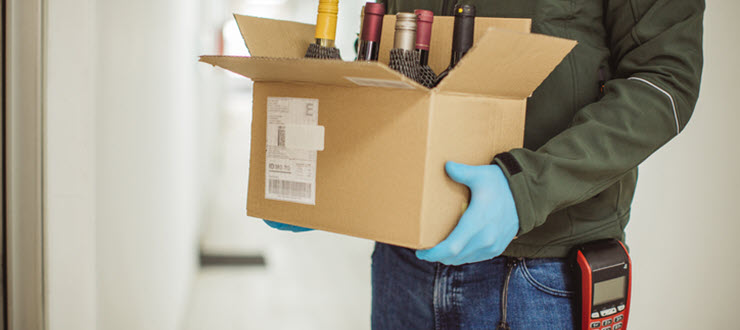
pixel 656 52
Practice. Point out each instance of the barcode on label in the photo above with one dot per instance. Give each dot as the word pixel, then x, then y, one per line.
pixel 281 136
pixel 291 189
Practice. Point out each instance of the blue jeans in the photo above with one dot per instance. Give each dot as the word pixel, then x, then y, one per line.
pixel 409 293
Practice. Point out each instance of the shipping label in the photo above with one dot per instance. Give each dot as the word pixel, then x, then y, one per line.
pixel 290 174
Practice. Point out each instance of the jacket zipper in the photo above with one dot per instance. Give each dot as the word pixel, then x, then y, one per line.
pixel 602 81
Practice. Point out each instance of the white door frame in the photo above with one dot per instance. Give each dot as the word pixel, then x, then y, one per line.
pixel 24 141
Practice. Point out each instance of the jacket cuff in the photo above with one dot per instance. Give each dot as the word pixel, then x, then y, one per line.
pixel 516 176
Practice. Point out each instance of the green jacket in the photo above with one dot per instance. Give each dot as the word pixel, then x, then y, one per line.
pixel 574 180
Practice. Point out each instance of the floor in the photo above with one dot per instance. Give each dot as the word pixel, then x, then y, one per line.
pixel 314 280
pixel 311 281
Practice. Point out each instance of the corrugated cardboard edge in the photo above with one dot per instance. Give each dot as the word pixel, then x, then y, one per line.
pixel 316 70
pixel 420 241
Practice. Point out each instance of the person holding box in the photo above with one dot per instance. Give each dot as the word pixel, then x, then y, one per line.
pixel 628 88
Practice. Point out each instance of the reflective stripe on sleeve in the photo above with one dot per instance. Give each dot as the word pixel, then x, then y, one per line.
pixel 673 104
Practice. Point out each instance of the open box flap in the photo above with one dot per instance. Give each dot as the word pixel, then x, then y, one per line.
pixel 327 72
pixel 275 38
pixel 506 64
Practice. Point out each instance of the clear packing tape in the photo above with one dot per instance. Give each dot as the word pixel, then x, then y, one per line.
pixel 303 137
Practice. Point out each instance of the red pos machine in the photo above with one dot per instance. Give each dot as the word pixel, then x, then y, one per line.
pixel 604 271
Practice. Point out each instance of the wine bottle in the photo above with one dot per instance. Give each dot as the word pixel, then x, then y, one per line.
pixel 462 36
pixel 403 58
pixel 326 30
pixel 372 28
pixel 424 20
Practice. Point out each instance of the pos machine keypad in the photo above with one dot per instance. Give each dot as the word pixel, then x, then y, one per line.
pixel 608 319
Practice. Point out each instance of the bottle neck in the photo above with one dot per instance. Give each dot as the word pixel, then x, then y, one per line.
pixel 455 58
pixel 404 39
pixel 326 22
pixel 462 38
pixel 372 26
pixel 368 50
pixel 325 42
pixel 405 36
pixel 423 56
pixel 424 21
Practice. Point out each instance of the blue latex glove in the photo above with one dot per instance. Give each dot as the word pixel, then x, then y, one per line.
pixel 286 227
pixel 488 225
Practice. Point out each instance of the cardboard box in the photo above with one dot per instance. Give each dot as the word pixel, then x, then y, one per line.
pixel 375 141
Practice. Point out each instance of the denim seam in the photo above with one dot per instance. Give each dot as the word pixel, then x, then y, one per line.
pixel 556 292
pixel 437 297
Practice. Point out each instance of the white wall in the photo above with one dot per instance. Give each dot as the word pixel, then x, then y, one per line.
pixel 684 229
pixel 125 162
pixel 70 165
pixel 146 184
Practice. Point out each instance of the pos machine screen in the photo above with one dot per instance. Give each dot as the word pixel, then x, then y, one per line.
pixel 609 290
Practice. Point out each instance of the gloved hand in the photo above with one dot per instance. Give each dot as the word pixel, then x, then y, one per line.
pixel 488 225
pixel 286 227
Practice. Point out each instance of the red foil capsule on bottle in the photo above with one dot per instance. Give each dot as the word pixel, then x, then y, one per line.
pixel 424 20
pixel 372 24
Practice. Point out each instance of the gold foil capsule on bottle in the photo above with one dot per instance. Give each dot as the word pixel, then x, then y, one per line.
pixel 326 22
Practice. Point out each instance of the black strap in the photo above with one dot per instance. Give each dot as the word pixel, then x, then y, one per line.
pixel 511 164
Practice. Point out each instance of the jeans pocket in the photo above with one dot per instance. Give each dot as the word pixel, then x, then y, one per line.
pixel 549 275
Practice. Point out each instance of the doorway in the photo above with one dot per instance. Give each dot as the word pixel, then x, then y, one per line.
pixel 22 180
